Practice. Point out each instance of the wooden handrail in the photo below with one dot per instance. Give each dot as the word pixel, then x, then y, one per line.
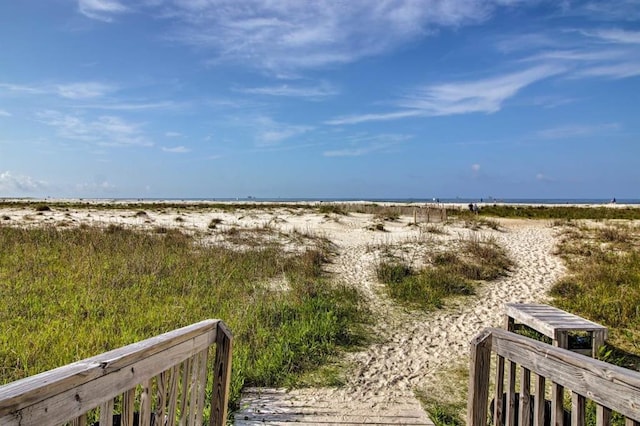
pixel 611 387
pixel 168 373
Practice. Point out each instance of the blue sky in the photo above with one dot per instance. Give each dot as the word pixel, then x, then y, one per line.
pixel 358 98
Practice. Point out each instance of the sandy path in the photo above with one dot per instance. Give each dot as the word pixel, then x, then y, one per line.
pixel 416 345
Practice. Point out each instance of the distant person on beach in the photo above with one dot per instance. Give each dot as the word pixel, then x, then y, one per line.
pixel 613 201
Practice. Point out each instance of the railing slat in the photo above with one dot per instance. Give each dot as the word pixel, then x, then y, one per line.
pixel 202 384
pixel 499 394
pixel 128 407
pixel 173 396
pixel 510 414
pixel 631 422
pixel 186 368
pixel 538 418
pixel 193 390
pixel 578 403
pixel 145 404
pixel 106 413
pixel 525 397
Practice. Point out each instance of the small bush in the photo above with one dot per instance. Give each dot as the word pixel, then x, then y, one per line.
pixel 215 222
pixel 43 208
pixel 332 208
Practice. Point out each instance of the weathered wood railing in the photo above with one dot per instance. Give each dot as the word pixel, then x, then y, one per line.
pixel 161 380
pixel 610 387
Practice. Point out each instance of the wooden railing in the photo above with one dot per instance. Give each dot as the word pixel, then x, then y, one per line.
pixel 161 380
pixel 611 388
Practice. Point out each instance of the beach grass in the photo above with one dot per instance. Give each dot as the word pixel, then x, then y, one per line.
pixel 603 284
pixel 78 292
pixel 452 272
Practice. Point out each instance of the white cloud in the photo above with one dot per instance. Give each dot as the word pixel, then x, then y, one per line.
pixel 142 106
pixel 20 183
pixel 102 10
pixel 104 130
pixel 310 92
pixel 359 145
pixel 76 90
pixel 615 71
pixel 544 178
pixel 176 149
pixel 83 90
pixel 270 132
pixel 480 96
pixel 289 35
pixel 616 35
pixel 173 134
pixel 475 168
pixel 577 130
pixel 4 113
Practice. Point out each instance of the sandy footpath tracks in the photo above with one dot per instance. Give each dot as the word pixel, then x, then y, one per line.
pixel 412 346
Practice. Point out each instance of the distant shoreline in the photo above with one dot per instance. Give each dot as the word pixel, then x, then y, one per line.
pixel 448 202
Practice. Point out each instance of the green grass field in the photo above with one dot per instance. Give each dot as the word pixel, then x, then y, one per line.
pixel 73 293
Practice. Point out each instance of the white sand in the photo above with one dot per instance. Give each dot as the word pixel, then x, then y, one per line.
pixel 413 346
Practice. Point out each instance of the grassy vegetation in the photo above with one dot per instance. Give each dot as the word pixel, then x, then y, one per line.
pixel 557 212
pixel 69 294
pixel 603 285
pixel 451 273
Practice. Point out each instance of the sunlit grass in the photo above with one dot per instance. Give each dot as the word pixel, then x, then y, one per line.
pixel 73 293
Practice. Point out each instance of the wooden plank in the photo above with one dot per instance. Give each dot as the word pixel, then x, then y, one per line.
pixel 510 413
pixel 578 411
pixel 480 364
pixel 603 415
pixel 80 399
pixel 128 407
pixel 34 389
pixel 173 397
pixel 561 340
pixel 538 418
pixel 525 397
pixel 145 404
pixel 222 376
pixel 202 384
pixel 184 391
pixel 605 384
pixel 161 394
pixel 106 413
pixel 193 391
pixel 499 397
pixel 631 422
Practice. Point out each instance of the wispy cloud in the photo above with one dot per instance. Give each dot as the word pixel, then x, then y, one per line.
pixel 136 106
pixel 176 149
pixel 4 113
pixel 84 90
pixel 289 35
pixel 616 35
pixel 104 130
pixel 465 97
pixel 577 130
pixel 75 90
pixel 173 134
pixel 20 183
pixel 102 10
pixel 308 92
pixel 270 132
pixel 364 144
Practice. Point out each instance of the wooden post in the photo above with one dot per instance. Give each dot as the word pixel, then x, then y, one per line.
pixel 578 404
pixel 221 376
pixel 597 340
pixel 480 364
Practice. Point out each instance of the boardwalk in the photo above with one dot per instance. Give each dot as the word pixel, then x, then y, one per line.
pixel 279 407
